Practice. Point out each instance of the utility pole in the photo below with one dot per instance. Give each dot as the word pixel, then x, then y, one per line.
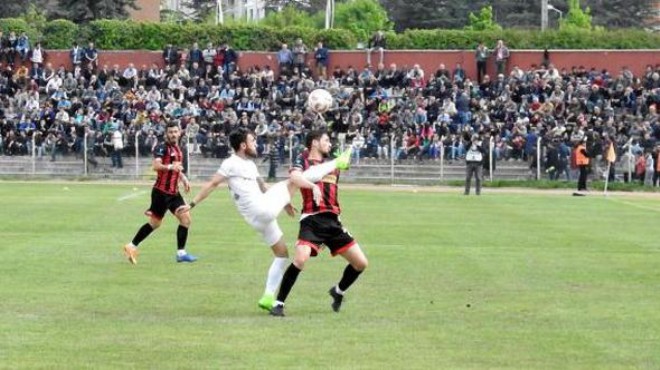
pixel 544 15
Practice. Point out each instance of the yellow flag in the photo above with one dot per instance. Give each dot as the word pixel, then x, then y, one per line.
pixel 611 154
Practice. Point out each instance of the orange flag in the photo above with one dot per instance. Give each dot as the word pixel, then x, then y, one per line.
pixel 611 154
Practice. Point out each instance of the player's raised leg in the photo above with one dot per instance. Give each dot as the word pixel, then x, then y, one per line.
pixel 317 172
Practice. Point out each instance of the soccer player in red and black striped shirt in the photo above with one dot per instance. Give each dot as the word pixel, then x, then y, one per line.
pixel 168 159
pixel 320 225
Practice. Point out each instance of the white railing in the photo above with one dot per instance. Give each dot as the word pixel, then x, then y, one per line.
pixel 34 155
pixel 538 159
pixel 442 161
pixel 137 154
pixel 491 159
pixel 85 153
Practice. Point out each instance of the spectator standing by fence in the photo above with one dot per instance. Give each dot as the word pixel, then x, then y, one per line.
pixel 502 55
pixel 377 43
pixel 481 56
pixel 321 56
pixel 473 164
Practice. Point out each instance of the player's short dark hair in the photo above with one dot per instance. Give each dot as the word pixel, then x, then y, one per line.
pixel 313 135
pixel 238 136
pixel 172 124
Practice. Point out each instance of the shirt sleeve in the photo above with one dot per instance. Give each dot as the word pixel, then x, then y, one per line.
pixel 225 169
pixel 159 152
pixel 299 163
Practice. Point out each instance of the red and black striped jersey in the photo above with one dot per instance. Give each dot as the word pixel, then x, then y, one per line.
pixel 168 181
pixel 329 185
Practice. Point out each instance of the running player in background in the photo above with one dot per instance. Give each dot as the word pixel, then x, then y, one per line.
pixel 165 196
pixel 260 205
pixel 320 224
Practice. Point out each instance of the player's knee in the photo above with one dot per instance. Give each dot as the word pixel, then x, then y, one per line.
pixel 360 264
pixel 184 220
pixel 155 223
pixel 279 249
pixel 299 262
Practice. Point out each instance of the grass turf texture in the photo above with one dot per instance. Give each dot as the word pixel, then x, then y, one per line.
pixel 498 281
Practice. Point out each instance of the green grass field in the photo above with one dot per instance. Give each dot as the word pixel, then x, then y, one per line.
pixel 510 281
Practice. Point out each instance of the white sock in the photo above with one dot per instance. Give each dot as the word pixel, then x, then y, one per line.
pixel 181 252
pixel 278 303
pixel 316 172
pixel 339 291
pixel 132 245
pixel 275 273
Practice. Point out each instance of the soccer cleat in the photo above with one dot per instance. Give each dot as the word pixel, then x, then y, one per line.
pixel 266 302
pixel 131 253
pixel 344 159
pixel 277 310
pixel 186 258
pixel 336 299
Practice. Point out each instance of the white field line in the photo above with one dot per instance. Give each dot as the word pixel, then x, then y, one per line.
pixel 131 195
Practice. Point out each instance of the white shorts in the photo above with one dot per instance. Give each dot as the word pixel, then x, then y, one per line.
pixel 264 218
pixel 270 233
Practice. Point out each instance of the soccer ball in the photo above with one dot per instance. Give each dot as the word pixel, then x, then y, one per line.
pixel 319 101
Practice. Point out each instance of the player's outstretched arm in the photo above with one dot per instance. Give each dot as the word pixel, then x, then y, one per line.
pixel 296 177
pixel 206 190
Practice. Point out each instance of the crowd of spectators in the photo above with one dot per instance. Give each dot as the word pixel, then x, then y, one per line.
pixel 382 110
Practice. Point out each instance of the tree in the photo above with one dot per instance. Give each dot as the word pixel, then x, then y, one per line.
pixel 576 18
pixel 84 11
pixel 620 13
pixel 290 16
pixel 362 17
pixel 483 21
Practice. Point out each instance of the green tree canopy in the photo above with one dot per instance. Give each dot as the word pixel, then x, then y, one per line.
pixel 362 17
pixel 290 16
pixel 483 21
pixel 576 17
pixel 84 11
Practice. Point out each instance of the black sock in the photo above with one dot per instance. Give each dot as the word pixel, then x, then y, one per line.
pixel 181 237
pixel 289 278
pixel 349 277
pixel 142 234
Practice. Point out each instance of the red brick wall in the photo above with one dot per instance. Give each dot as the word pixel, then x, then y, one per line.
pixel 613 60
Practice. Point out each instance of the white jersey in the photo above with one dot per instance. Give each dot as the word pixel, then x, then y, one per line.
pixel 241 175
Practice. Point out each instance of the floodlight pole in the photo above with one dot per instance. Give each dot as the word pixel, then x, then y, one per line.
pixel 544 15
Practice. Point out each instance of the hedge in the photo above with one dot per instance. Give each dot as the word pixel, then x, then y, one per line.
pixel 129 35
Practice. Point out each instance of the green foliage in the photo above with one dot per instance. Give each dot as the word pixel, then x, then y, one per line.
pixel 362 18
pixel 576 18
pixel 61 34
pixel 290 16
pixel 36 18
pixel 118 35
pixel 483 21
pixel 83 11
pixel 18 25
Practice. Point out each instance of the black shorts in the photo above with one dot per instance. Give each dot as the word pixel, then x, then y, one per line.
pixel 324 228
pixel 161 202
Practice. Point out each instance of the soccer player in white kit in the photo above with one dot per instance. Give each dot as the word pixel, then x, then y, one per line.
pixel 260 205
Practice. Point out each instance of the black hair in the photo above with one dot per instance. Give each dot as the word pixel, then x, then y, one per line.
pixel 237 137
pixel 313 135
pixel 171 124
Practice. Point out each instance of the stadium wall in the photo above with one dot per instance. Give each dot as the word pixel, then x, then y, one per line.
pixel 429 60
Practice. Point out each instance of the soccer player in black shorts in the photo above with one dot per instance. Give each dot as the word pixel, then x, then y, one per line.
pixel 320 225
pixel 165 196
